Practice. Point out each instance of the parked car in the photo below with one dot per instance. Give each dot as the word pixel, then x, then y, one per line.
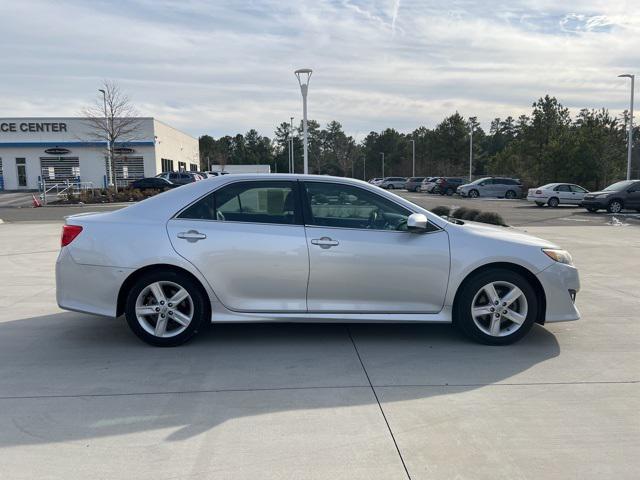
pixel 179 178
pixel 375 181
pixel 308 248
pixel 554 194
pixel 392 182
pixel 152 183
pixel 492 187
pixel 447 185
pixel 428 184
pixel 614 198
pixel 413 184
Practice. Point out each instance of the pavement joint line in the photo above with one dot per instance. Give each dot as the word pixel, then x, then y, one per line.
pixel 26 253
pixel 379 404
pixel 314 387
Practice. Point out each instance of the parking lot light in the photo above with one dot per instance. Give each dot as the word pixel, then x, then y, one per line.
pixel 304 88
pixel 630 139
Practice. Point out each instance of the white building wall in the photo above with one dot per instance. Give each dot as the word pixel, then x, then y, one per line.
pixel 175 145
pixel 29 138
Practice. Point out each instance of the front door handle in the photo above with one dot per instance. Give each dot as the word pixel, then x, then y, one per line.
pixel 192 236
pixel 325 242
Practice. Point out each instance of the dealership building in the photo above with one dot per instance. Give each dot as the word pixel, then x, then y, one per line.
pixel 37 151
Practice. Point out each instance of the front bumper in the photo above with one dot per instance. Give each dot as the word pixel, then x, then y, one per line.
pixel 594 202
pixel 560 283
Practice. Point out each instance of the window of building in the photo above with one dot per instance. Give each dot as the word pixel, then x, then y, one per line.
pixel 255 202
pixel 167 165
pixel 182 166
pixel 21 168
pixel 193 167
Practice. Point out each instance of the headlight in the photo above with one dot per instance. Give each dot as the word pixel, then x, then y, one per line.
pixel 561 256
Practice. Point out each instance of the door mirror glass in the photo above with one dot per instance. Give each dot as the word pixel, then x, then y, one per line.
pixel 417 221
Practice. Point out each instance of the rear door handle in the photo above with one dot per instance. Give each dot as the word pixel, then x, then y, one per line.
pixel 325 242
pixel 192 236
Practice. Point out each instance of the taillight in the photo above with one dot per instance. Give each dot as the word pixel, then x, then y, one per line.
pixel 69 233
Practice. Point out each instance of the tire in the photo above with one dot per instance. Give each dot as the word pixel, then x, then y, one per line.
pixel 591 209
pixel 449 191
pixel 474 193
pixel 486 328
pixel 540 204
pixel 553 202
pixel 390 187
pixel 615 206
pixel 510 195
pixel 177 330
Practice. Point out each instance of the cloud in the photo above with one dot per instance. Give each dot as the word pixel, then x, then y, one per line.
pixel 224 67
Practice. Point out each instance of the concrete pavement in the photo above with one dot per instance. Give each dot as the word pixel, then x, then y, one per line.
pixel 81 397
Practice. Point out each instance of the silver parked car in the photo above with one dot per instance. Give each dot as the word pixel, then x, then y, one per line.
pixel 305 248
pixel 392 182
pixel 554 194
pixel 492 187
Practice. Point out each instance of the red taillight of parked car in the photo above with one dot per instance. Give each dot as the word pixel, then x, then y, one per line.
pixel 69 233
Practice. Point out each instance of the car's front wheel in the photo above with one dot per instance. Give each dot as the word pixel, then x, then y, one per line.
pixel 496 307
pixel 166 309
pixel 510 195
pixel 615 206
pixel 474 193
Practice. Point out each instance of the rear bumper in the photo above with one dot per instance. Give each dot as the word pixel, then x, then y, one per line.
pixel 537 199
pixel 88 288
pixel 559 282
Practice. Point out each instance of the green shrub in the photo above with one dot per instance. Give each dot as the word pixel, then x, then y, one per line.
pixel 492 218
pixel 441 211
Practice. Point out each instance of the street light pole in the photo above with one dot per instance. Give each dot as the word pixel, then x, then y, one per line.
pixel 471 154
pixel 106 119
pixel 364 168
pixel 291 162
pixel 413 148
pixel 304 88
pixel 630 139
pixel 382 153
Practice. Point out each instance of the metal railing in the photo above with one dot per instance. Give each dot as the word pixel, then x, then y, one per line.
pixel 63 189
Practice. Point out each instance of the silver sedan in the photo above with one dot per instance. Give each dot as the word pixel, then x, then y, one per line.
pixel 253 248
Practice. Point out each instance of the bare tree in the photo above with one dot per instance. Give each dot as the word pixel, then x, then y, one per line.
pixel 112 119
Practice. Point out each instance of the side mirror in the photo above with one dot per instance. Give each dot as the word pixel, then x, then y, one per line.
pixel 417 222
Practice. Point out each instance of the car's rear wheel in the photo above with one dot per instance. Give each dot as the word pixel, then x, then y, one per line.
pixel 615 206
pixel 474 193
pixel 510 195
pixel 166 309
pixel 450 191
pixel 553 202
pixel 496 307
pixel 390 187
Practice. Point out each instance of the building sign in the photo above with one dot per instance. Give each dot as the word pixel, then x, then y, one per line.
pixel 32 127
pixel 123 150
pixel 57 151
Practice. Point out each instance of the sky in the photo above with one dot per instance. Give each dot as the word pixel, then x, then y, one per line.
pixel 223 67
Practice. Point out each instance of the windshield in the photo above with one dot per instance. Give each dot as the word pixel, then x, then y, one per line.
pixel 619 186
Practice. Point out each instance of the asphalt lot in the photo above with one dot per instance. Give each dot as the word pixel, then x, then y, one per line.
pixel 81 397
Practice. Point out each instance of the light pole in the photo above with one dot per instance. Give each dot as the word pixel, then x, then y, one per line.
pixel 364 168
pixel 304 88
pixel 413 149
pixel 291 162
pixel 471 153
pixel 382 153
pixel 106 119
pixel 630 140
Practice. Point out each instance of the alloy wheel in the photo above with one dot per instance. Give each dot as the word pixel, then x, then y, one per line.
pixel 164 309
pixel 499 309
pixel 615 206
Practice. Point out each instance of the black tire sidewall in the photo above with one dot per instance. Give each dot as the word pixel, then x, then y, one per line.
pixel 610 210
pixel 474 194
pixel 462 316
pixel 553 202
pixel 510 195
pixel 200 306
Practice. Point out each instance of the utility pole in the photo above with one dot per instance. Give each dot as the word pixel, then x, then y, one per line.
pixel 471 153
pixel 413 148
pixel 630 139
pixel 109 158
pixel 364 168
pixel 291 160
pixel 382 153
